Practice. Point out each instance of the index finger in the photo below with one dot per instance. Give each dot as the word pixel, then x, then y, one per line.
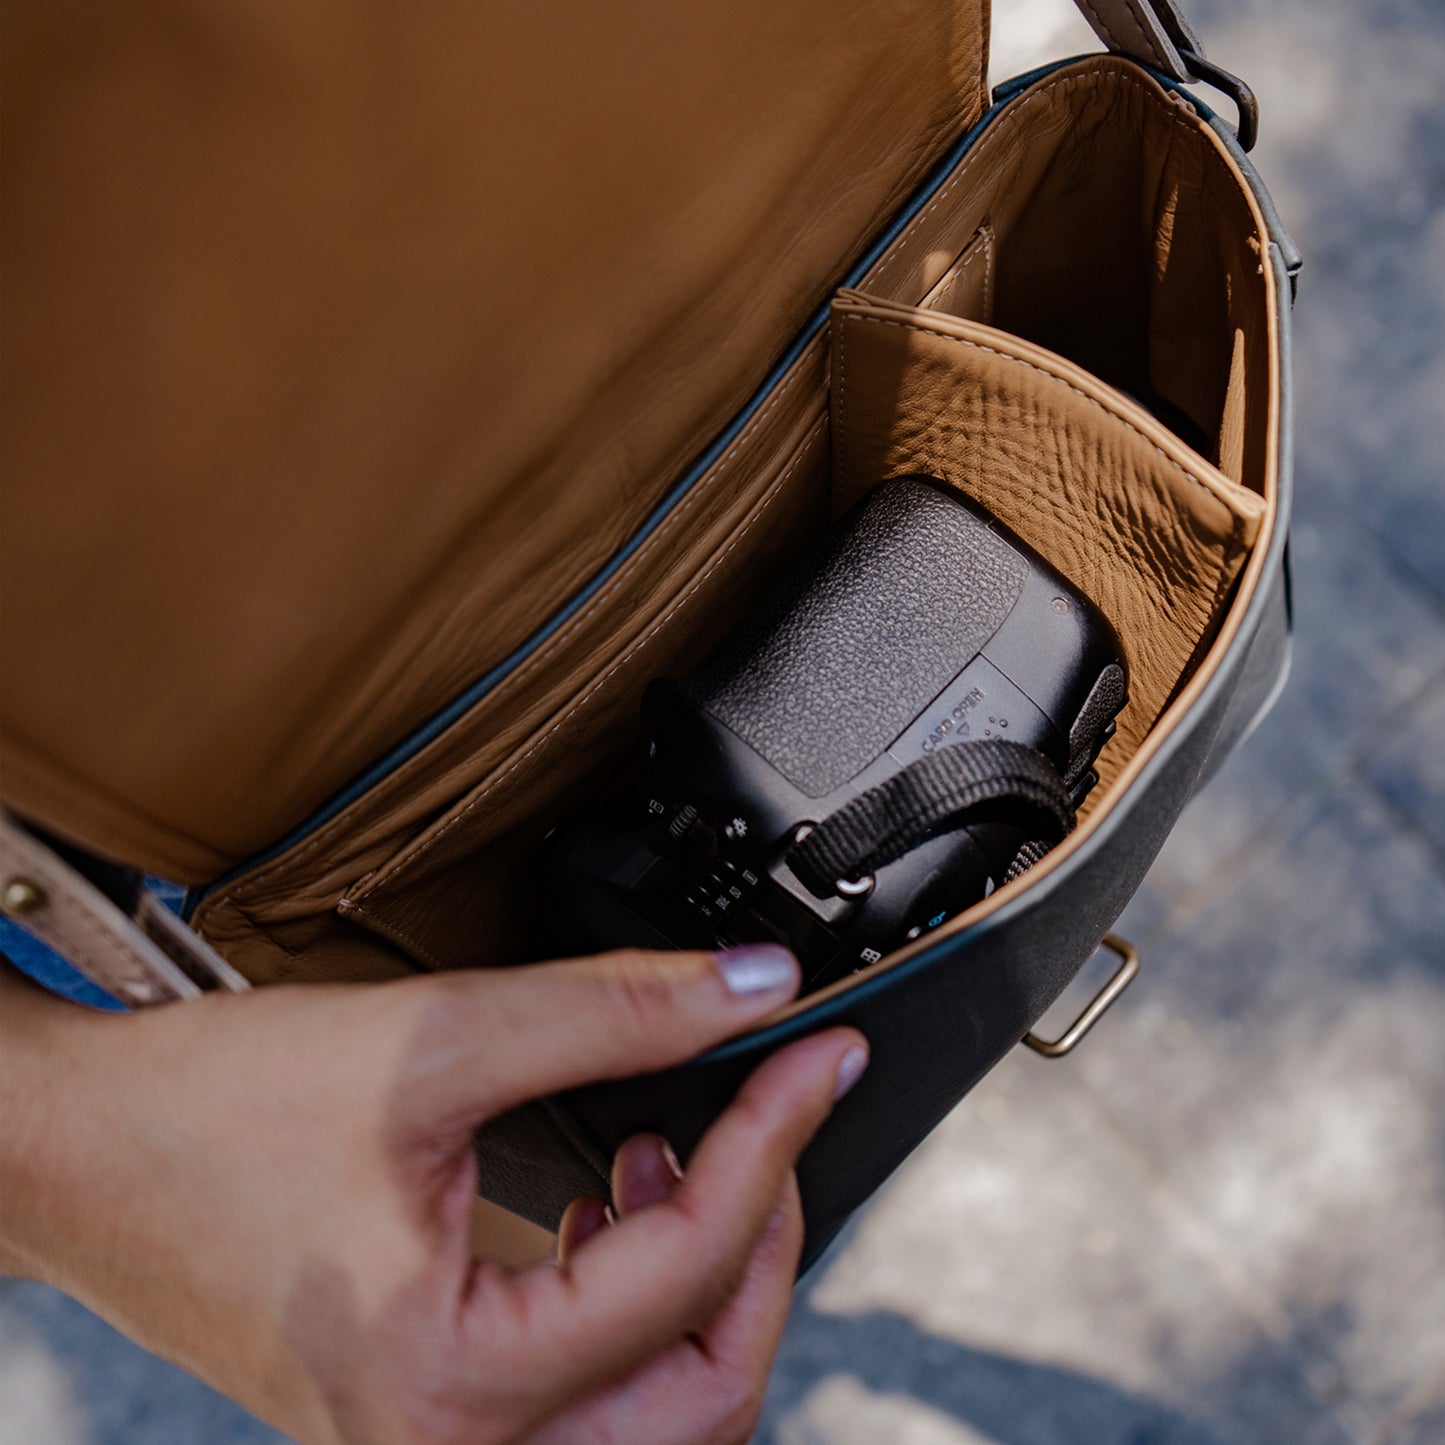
pixel 548 1336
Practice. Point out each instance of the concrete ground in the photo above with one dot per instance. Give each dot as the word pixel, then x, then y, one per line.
pixel 1224 1219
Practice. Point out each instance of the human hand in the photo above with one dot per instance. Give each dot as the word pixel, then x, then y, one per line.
pixel 275 1190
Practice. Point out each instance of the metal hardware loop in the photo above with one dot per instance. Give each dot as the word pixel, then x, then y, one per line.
pixel 1121 978
pixel 1227 83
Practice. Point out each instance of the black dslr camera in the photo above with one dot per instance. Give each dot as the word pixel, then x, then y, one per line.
pixel 907 720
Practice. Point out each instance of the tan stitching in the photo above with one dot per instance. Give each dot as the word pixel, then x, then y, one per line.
pixel 487 788
pixel 987 143
pixel 979 244
pixel 988 272
pixel 419 951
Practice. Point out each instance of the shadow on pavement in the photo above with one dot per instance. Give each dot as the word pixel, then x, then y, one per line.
pixel 1005 1399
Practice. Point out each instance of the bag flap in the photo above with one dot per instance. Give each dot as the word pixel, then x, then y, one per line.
pixel 342 344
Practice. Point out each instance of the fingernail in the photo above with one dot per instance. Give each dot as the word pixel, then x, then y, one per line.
pixel 609 1214
pixel 671 1160
pixel 850 1070
pixel 754 968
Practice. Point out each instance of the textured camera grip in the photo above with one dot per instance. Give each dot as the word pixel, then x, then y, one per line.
pixel 900 596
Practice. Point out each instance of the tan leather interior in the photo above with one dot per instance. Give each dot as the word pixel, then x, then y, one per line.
pixel 1146 529
pixel 1124 240
pixel 1124 254
pixel 967 287
pixel 337 355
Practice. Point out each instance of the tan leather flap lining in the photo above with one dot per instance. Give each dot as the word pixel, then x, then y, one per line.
pixel 343 343
pixel 432 859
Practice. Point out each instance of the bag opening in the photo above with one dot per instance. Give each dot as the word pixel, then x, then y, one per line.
pixel 1097 218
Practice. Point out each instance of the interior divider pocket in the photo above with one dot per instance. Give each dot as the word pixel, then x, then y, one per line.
pixel 966 288
pixel 457 894
pixel 1149 530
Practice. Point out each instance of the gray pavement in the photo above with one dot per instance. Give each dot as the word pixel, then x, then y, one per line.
pixel 1224 1219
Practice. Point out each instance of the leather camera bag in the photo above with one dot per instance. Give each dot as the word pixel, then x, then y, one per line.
pixel 392 392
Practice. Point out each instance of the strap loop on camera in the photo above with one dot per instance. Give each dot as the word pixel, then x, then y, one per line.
pixel 936 792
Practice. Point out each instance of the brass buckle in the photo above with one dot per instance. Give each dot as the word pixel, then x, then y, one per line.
pixel 1121 978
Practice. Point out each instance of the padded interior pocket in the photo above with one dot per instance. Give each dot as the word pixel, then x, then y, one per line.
pixel 1150 531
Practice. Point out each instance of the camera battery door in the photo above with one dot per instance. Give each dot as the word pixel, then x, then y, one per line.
pixel 881 616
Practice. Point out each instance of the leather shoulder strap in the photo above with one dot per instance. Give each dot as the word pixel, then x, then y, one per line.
pixel 1154 31
pixel 147 956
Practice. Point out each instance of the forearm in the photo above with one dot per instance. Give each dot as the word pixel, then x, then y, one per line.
pixel 43 1042
pixel 86 1204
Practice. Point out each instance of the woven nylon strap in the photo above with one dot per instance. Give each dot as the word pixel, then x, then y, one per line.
pixel 937 791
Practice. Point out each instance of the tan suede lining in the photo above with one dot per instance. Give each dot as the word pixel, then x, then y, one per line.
pixel 1125 250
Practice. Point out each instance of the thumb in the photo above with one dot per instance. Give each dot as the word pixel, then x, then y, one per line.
pixel 501 1037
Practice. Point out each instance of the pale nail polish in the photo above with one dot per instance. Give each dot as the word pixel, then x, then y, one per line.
pixel 850 1070
pixel 669 1157
pixel 754 968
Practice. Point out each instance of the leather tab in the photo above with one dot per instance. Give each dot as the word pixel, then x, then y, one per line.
pixel 1153 31
pixel 149 959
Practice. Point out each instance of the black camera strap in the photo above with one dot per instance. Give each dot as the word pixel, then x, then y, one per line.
pixel 935 793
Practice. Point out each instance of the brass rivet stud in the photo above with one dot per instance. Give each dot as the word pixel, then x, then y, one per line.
pixel 21 896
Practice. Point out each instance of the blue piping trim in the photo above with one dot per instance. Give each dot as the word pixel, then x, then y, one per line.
pixel 1003 94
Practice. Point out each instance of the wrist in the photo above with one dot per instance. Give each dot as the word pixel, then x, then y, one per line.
pixel 46 1045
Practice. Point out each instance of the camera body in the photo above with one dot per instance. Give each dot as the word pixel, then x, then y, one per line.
pixel 919 623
